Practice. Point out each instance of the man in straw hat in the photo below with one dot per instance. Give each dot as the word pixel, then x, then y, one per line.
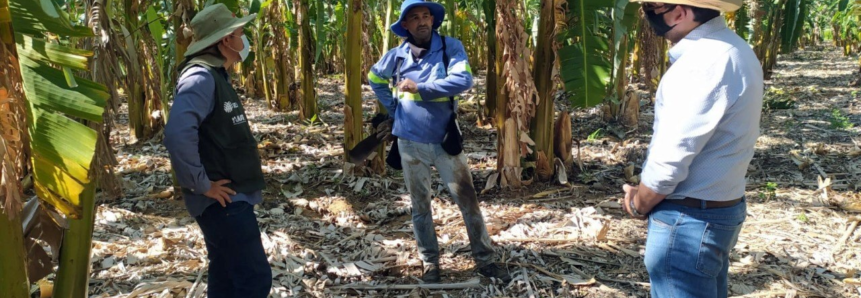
pixel 425 74
pixel 215 156
pixel 707 116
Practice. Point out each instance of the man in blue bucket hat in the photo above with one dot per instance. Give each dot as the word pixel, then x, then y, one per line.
pixel 416 82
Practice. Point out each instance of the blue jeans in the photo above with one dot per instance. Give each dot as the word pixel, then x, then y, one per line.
pixel 238 266
pixel 687 249
pixel 417 159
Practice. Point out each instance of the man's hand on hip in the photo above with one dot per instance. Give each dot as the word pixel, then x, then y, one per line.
pixel 408 85
pixel 220 193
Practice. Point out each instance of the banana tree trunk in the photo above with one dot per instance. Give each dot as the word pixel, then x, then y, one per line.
pixel 758 14
pixel 353 77
pixel 184 12
pixel 262 71
pixel 492 74
pixel 308 107
pixel 385 32
pixel 13 259
pixel 450 7
pixel 367 41
pixel 514 139
pixel 626 109
pixel 261 55
pixel 636 61
pixel 652 49
pixel 771 38
pixel 542 71
pixel 73 274
pixel 774 47
pixel 105 70
pixel 137 122
pixel 284 87
pixel 139 102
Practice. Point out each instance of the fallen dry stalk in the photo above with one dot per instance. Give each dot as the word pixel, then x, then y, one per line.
pixel 472 283
pixel 848 233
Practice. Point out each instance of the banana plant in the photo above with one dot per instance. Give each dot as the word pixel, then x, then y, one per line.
pixel 594 50
pixel 163 53
pixel 845 22
pixel 57 102
pixel 308 108
pixel 741 21
pixel 143 74
pixel 353 77
pixel 795 16
pixel 542 72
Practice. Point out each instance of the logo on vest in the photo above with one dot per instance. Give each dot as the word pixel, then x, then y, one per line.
pixel 230 106
pixel 238 119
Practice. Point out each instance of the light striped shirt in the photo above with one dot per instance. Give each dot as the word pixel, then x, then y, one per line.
pixel 707 115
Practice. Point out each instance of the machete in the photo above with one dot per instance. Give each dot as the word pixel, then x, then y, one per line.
pixel 364 148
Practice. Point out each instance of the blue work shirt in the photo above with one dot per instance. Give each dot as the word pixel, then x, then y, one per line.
pixel 422 117
pixel 194 101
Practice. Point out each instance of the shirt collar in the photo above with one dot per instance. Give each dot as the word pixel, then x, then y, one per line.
pixel 705 29
pixel 416 51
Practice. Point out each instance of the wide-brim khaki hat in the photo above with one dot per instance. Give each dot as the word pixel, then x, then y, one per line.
pixel 719 5
pixel 212 24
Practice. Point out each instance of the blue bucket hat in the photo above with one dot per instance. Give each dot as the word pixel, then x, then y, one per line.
pixel 436 9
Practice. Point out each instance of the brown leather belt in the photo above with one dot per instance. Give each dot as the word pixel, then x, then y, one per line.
pixel 697 203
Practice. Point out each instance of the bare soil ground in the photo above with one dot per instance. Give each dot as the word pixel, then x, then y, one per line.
pixel 326 232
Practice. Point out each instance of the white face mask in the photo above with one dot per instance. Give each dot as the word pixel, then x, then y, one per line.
pixel 246 48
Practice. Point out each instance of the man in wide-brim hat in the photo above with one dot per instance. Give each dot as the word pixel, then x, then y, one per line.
pixel 215 156
pixel 416 82
pixel 707 114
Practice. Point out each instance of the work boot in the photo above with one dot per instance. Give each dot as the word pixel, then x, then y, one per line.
pixel 431 274
pixel 494 271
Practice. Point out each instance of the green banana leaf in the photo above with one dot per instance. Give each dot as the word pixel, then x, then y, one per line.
pixel 62 146
pixel 586 57
pixel 156 28
pixel 35 17
pixel 794 19
pixel 256 6
pixel 742 20
pixel 624 16
pixel 320 28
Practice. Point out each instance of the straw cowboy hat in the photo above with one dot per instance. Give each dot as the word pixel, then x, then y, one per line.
pixel 436 9
pixel 212 24
pixel 719 5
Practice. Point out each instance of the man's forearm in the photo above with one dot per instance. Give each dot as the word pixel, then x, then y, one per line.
pixel 646 199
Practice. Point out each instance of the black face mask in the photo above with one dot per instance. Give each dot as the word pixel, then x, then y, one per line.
pixel 656 20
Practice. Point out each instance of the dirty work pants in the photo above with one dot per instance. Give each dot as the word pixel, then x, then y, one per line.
pixel 417 159
pixel 687 249
pixel 238 266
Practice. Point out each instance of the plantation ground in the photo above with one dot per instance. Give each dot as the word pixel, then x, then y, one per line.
pixel 323 229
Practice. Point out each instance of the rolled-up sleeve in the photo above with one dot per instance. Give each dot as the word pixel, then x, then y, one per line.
pixel 459 78
pixel 694 101
pixel 194 101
